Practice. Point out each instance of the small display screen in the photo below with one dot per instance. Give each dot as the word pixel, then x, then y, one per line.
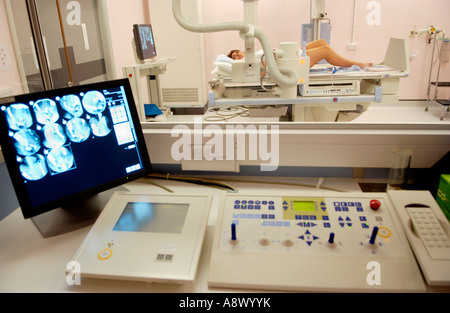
pixel 304 206
pixel 152 217
pixel 145 42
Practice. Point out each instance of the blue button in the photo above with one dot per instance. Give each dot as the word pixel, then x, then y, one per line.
pixel 271 202
pixel 298 217
pixel 313 218
pixel 325 218
pixel 338 209
pixel 286 224
pixel 327 225
pixel 244 202
pixel 271 216
pixel 271 207
pixel 249 215
pixel 237 201
pixel 237 206
pixel 250 202
pixel 257 207
pixel 359 209
pixel 264 216
pixel 305 217
pixel 264 202
pixel 365 225
pixel 345 209
pixel 250 206
pixel 271 223
pixel 279 224
pixel 362 218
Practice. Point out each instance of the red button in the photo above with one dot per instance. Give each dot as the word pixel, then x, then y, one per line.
pixel 375 204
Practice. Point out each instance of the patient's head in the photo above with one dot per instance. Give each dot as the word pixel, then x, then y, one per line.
pixel 236 54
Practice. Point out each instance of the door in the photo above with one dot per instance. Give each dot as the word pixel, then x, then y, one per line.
pixel 60 42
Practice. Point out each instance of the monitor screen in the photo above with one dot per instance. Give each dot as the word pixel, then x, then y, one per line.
pixel 63 144
pixel 145 42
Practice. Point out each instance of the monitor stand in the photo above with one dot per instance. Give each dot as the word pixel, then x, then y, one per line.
pixel 80 214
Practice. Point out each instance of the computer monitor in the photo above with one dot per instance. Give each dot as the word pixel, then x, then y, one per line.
pixel 144 41
pixel 66 148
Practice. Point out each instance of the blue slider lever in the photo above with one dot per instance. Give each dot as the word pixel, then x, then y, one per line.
pixel 233 232
pixel 374 235
pixel 331 239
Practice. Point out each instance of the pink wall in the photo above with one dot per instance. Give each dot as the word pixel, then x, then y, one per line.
pixel 281 20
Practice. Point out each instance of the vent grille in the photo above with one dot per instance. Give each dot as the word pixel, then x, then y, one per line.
pixel 179 94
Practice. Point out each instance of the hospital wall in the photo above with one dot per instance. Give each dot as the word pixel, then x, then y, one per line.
pixel 282 20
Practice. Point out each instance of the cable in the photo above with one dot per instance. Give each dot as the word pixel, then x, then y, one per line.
pixel 225 114
pixel 200 181
pixel 222 185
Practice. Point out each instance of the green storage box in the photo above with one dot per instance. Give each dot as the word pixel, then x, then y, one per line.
pixel 443 194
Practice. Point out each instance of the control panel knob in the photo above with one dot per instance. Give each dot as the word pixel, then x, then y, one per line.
pixel 264 242
pixel 373 236
pixel 375 204
pixel 288 243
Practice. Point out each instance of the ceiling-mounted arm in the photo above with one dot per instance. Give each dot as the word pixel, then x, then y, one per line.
pixel 284 77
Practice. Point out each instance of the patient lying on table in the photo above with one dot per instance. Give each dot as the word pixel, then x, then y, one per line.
pixel 316 50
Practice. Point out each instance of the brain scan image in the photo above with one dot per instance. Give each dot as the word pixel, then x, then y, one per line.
pixel 100 126
pixel 94 102
pixel 33 167
pixel 27 142
pixel 46 111
pixel 78 130
pixel 72 104
pixel 54 136
pixel 60 160
pixel 19 116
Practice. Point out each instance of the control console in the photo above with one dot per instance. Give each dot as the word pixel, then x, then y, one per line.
pixel 312 242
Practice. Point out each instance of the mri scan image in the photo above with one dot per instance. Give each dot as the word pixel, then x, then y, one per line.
pixel 94 102
pixel 60 160
pixel 46 111
pixel 27 142
pixel 19 116
pixel 78 130
pixel 72 104
pixel 100 126
pixel 33 167
pixel 54 136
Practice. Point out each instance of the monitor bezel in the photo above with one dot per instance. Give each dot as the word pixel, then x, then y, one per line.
pixel 138 42
pixel 9 151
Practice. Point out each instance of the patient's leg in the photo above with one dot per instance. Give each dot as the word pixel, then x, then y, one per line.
pixel 316 43
pixel 326 52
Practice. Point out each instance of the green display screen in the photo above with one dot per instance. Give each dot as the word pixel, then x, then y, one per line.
pixel 304 206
